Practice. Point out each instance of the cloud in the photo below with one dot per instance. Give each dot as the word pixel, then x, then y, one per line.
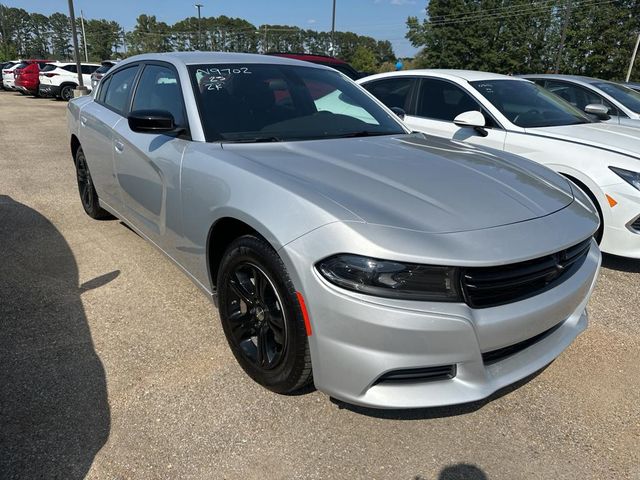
pixel 403 2
pixel 311 21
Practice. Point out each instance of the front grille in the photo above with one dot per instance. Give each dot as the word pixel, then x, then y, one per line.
pixel 429 374
pixel 492 286
pixel 494 356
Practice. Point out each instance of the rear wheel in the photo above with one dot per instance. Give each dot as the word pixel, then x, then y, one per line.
pixel 261 316
pixel 88 194
pixel 66 92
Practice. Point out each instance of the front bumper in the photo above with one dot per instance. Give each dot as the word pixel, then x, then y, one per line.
pixel 49 90
pixel 357 339
pixel 622 233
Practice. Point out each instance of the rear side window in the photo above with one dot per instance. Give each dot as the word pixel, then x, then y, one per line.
pixel 48 67
pixel 393 92
pixel 70 68
pixel 158 89
pixel 118 90
pixel 103 68
pixel 88 69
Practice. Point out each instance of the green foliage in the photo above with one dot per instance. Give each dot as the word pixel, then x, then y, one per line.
pixel 517 36
pixel 364 60
pixel 28 35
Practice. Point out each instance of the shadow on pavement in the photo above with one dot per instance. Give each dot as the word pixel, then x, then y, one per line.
pixel 462 471
pixel 622 264
pixel 436 412
pixel 54 415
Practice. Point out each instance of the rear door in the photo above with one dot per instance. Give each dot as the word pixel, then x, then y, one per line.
pixel 148 165
pixel 439 102
pixel 97 122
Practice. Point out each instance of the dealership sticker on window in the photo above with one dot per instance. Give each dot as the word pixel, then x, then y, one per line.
pixel 218 76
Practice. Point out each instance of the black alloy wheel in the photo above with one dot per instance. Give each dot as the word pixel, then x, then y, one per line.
pixel 261 316
pixel 66 93
pixel 258 323
pixel 88 195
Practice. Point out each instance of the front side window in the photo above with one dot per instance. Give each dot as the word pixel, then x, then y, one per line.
pixel 158 90
pixel 393 92
pixel 577 96
pixel 118 90
pixel 442 100
pixel 626 96
pixel 270 102
pixel 528 105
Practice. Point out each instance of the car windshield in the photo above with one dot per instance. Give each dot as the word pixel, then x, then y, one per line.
pixel 626 96
pixel 271 102
pixel 528 105
pixel 103 68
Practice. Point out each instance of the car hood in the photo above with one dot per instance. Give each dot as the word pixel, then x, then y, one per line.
pixel 416 181
pixel 608 136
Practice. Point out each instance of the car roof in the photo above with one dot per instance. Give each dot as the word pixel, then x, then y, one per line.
pixel 310 57
pixel 198 58
pixel 557 76
pixel 468 75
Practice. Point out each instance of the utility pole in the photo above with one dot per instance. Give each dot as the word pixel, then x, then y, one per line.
pixel 81 90
pixel 199 6
pixel 84 37
pixel 633 58
pixel 333 29
pixel 563 37
pixel 264 41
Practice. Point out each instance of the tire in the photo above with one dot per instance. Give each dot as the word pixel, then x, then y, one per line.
pixel 66 92
pixel 258 307
pixel 88 194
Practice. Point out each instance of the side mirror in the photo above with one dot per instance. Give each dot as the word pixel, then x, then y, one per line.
pixel 151 121
pixel 599 110
pixel 399 112
pixel 473 119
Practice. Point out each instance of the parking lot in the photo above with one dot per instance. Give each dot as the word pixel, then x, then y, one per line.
pixel 114 365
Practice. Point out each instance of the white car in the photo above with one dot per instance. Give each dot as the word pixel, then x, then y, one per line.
pixel 8 81
pixel 589 94
pixel 59 79
pixel 518 116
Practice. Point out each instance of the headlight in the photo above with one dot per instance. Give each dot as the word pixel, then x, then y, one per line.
pixel 385 278
pixel 628 176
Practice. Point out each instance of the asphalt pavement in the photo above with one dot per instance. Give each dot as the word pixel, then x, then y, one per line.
pixel 113 365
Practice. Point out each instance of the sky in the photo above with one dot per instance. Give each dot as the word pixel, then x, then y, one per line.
pixel 381 19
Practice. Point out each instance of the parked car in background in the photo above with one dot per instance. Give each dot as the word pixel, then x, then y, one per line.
pixel 27 76
pixel 60 79
pixel 521 117
pixel 633 85
pixel 621 104
pixel 8 80
pixel 327 61
pixel 97 75
pixel 404 270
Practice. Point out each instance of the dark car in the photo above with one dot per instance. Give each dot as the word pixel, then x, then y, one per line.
pixel 340 65
pixel 99 73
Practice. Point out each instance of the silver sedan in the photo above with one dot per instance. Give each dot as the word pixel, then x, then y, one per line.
pixel 392 269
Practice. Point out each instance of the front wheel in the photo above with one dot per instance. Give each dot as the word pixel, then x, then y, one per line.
pixel 88 194
pixel 66 92
pixel 261 316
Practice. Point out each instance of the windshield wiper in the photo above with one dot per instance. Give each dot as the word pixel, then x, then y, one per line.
pixel 254 140
pixel 362 133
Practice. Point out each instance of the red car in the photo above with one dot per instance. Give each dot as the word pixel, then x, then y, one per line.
pixel 332 62
pixel 27 75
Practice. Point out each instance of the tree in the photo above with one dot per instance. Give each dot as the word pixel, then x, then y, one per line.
pixel 60 36
pixel 364 60
pixel 149 35
pixel 103 36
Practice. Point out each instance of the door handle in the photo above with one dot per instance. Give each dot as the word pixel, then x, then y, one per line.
pixel 118 145
pixel 83 121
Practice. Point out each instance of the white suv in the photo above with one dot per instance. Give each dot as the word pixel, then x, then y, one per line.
pixel 8 82
pixel 60 79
